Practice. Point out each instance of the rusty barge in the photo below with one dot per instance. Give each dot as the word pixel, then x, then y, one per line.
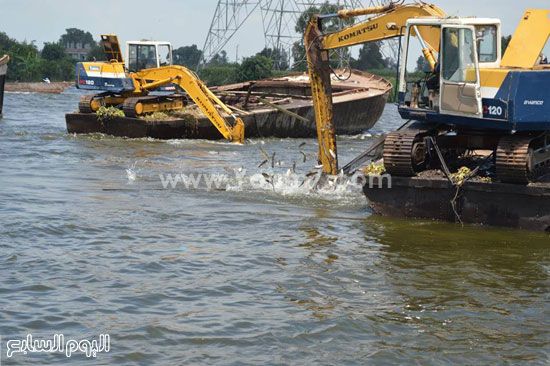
pixel 3 70
pixel 524 207
pixel 275 107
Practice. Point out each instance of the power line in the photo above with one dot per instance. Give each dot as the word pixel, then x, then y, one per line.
pixel 279 19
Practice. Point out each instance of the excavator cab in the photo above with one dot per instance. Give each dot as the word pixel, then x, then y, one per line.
pixel 147 55
pixel 143 55
pixel 453 85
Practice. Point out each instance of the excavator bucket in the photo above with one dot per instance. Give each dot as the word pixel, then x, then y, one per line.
pixel 238 131
pixel 111 47
pixel 529 40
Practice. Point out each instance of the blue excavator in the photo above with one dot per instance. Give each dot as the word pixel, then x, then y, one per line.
pixel 471 99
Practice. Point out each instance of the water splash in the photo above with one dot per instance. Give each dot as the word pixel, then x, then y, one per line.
pixel 132 172
pixel 297 185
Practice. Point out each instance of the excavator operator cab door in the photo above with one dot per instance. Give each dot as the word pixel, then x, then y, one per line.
pixel 460 87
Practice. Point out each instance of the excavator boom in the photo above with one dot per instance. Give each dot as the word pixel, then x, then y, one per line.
pixel 197 90
pixel 389 22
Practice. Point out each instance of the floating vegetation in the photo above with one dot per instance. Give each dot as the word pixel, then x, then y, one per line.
pixel 107 113
pixel 190 115
pixel 190 110
pixel 159 116
pixel 461 175
pixel 373 169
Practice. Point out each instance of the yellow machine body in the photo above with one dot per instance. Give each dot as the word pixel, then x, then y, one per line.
pixel 131 90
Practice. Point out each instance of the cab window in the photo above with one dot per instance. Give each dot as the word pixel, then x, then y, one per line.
pixel 486 36
pixel 141 57
pixel 165 58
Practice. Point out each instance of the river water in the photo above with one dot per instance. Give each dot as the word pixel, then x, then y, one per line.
pixel 249 273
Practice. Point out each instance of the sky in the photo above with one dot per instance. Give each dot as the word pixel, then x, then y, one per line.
pixel 186 22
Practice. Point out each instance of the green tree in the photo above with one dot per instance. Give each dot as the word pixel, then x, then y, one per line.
pixel 54 63
pixel 188 56
pixel 6 43
pixel 279 57
pixel 219 58
pixel 422 64
pixel 28 64
pixel 299 56
pixel 219 74
pixel 96 53
pixel 505 41
pixel 370 57
pixel 74 36
pixel 329 25
pixel 391 63
pixel 31 70
pixel 24 62
pixel 53 51
pixel 254 68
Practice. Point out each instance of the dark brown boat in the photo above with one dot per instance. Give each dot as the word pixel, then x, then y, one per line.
pixel 3 70
pixel 495 204
pixel 276 107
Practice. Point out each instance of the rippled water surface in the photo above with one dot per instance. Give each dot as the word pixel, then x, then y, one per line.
pixel 265 274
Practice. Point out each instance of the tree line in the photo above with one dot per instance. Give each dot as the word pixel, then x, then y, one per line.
pixel 28 63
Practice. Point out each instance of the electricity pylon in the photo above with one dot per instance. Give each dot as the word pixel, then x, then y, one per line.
pixel 279 18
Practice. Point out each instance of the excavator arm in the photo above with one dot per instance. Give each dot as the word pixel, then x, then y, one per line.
pixel 148 79
pixel 389 21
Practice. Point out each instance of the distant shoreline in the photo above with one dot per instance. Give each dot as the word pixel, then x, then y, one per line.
pixel 38 87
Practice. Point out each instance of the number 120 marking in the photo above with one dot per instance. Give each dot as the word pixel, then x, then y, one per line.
pixel 492 110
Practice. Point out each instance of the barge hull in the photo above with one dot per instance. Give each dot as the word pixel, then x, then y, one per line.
pixel 137 128
pixel 494 204
pixel 351 117
pixel 358 103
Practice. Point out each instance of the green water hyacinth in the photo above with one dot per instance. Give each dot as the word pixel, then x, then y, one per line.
pixel 107 113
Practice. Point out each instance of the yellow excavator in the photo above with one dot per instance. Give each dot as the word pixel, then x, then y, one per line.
pixel 474 98
pixel 147 85
pixel 389 22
